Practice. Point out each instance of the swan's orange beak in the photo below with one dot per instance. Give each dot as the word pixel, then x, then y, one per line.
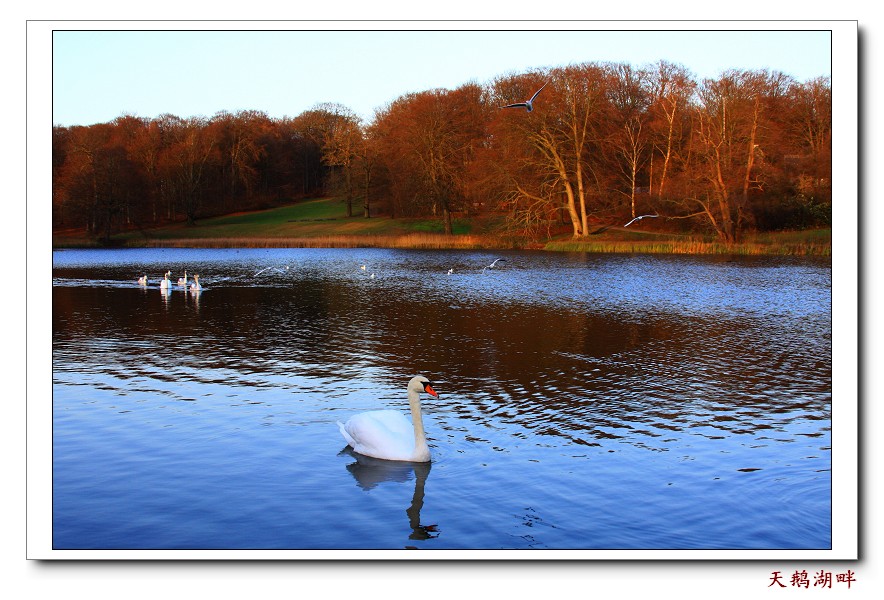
pixel 429 389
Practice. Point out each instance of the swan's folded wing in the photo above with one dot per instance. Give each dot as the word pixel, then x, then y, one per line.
pixel 382 434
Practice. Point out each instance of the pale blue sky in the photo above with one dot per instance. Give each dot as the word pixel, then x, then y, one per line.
pixel 100 75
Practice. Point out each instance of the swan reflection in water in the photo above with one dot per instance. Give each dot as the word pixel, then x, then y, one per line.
pixel 369 472
pixel 195 295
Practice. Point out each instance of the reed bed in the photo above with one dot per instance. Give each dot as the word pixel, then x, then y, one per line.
pixel 694 247
pixel 428 241
pixel 438 241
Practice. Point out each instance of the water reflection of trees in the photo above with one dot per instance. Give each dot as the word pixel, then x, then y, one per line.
pixel 585 375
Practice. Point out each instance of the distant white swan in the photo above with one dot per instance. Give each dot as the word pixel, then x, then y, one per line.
pixel 387 434
pixel 142 280
pixel 165 283
pixel 527 104
pixel 195 286
pixel 182 281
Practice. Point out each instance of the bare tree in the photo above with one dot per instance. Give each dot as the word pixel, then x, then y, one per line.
pixel 561 131
pixel 672 87
pixel 630 98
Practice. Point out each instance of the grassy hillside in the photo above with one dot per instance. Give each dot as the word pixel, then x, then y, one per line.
pixel 323 222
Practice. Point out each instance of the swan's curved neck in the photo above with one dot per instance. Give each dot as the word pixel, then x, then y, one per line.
pixel 420 438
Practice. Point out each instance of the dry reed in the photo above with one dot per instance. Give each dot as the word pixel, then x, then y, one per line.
pixel 428 241
pixel 439 241
pixel 694 247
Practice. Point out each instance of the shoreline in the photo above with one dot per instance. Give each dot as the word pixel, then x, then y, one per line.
pixel 472 242
pixel 322 223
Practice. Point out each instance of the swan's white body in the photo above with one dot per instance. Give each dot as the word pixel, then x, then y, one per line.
pixel 182 281
pixel 165 283
pixel 527 104
pixel 387 434
pixel 142 280
pixel 195 286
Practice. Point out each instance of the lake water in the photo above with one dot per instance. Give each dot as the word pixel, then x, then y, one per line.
pixel 588 402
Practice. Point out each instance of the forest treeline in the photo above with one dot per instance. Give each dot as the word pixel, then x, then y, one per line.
pixel 748 150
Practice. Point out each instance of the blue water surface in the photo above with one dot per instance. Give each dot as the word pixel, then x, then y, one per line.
pixel 588 402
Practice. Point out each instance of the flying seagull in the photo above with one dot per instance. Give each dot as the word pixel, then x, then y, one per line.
pixel 282 270
pixel 527 104
pixel 639 219
pixel 491 266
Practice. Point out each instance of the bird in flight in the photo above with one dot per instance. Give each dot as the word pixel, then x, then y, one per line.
pixel 527 104
pixel 639 219
pixel 491 266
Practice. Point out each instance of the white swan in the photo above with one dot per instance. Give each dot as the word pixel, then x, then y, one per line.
pixel 527 104
pixel 195 286
pixel 182 281
pixel 387 434
pixel 142 280
pixel 165 283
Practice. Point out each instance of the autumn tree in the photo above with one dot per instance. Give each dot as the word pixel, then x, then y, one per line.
pixel 61 141
pixel 629 95
pixel 429 139
pixel 561 130
pixel 98 178
pixel 185 164
pixel 311 129
pixel 745 149
pixel 809 165
pixel 671 88
pixel 238 138
pixel 741 144
pixel 341 147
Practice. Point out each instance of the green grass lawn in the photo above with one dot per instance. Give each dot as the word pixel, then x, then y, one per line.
pixel 312 218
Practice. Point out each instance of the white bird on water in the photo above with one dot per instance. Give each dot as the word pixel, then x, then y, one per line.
pixel 195 286
pixel 387 434
pixel 639 218
pixel 182 281
pixel 165 284
pixel 142 280
pixel 527 104
pixel 450 271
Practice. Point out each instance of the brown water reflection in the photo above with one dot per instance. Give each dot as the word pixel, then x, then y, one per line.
pixel 581 374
